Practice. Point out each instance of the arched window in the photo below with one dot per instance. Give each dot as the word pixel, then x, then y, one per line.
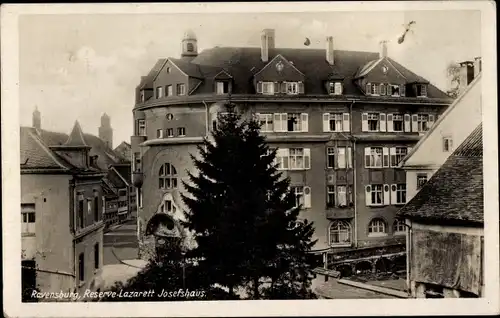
pixel 340 233
pixel 398 227
pixel 190 47
pixel 377 227
pixel 167 177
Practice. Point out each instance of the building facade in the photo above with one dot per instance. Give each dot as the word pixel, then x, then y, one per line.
pixel 341 121
pixel 445 226
pixel 61 211
pixel 455 124
pixel 123 150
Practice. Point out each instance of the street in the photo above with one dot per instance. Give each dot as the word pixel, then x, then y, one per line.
pixel 120 243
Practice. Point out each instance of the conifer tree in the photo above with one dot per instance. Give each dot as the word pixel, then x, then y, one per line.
pixel 243 215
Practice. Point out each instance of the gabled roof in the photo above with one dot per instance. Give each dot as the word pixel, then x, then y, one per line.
pixel 76 138
pixel 454 194
pixel 36 155
pixel 244 62
pixel 439 120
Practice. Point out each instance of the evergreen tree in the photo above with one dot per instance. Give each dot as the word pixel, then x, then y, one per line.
pixel 243 215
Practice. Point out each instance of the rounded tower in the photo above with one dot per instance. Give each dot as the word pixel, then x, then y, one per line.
pixel 189 44
pixel 37 119
pixel 105 131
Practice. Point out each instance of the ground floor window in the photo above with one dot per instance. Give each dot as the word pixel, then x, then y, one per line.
pixel 340 233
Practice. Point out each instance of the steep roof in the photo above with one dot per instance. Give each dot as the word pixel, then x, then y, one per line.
pixel 454 194
pixel 124 170
pixel 243 62
pixel 34 153
pixel 76 138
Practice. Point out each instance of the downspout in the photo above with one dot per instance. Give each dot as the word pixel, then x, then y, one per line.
pixel 354 190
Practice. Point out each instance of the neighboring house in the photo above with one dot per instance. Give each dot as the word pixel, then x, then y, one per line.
pixel 61 210
pixel 445 222
pixel 124 150
pixel 341 120
pixel 120 175
pixel 451 129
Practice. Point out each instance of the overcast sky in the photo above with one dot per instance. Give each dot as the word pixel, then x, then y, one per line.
pixel 80 66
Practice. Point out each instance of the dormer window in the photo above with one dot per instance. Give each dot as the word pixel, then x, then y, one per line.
pixel 292 88
pixel 421 90
pixel 159 92
pixel 268 88
pixel 374 89
pixel 222 87
pixel 181 89
pixel 335 88
pixel 394 90
pixel 169 90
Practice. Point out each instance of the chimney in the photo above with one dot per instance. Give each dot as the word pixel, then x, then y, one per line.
pixel 383 49
pixel 477 66
pixel 466 75
pixel 267 43
pixel 329 50
pixel 37 120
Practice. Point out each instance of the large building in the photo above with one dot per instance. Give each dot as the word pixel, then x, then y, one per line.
pixel 342 121
pixel 445 223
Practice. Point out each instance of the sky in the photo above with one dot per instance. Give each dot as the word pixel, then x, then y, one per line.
pixel 77 67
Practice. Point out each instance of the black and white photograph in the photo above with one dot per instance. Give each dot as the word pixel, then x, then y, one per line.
pixel 197 159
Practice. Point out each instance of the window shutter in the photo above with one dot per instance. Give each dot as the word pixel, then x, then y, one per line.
pixel 304 118
pixel 386 195
pixel 301 88
pixel 345 123
pixel 402 90
pixel 431 120
pixel 407 123
pixel 284 125
pixel 349 157
pixel 307 158
pixel 385 157
pixel 259 87
pixel 307 197
pixel 368 197
pixel 382 89
pixel 390 125
pixel 367 156
pixel 368 88
pixel 394 198
pixel 382 122
pixel 393 156
pixel 277 122
pixel 326 122
pixel 286 159
pixel 377 89
pixel 276 87
pixel 414 123
pixel 364 122
pixel 283 87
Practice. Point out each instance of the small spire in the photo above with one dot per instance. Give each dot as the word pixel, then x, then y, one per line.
pixel 76 138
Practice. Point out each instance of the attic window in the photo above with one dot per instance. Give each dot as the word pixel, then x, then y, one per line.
pixel 190 47
pixel 168 69
pixel 143 96
pixel 421 90
pixel 394 90
pixel 335 88
pixel 159 92
pixel 222 87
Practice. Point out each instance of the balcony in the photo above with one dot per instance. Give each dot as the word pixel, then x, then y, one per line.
pixel 339 213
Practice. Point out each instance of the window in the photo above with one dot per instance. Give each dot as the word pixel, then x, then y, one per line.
pixel 168 70
pixel 335 88
pixel 335 122
pixel 80 212
pixel 400 193
pixel 397 122
pixel 96 256
pixel 394 90
pixel 141 127
pixel 341 158
pixel 282 158
pixel 159 92
pixel 96 206
pixel 190 47
pixel 342 196
pixel 168 207
pixel 421 180
pixel 294 123
pixel 299 195
pixel 81 268
pixel 170 116
pixel 374 89
pixel 266 122
pixel 159 133
pixel 268 88
pixel 170 132
pixel 373 157
pixel 421 90
pixel 300 158
pixel 330 154
pixel 398 227
pixel 373 122
pixel 167 177
pixel 330 197
pixel 137 161
pixel 292 88
pixel 181 131
pixel 169 90
pixel 181 89
pixel 340 233
pixel 28 215
pixel 376 227
pixel 222 87
pixel 374 194
pixel 397 155
pixel 143 97
pixel 422 123
pixel 447 144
